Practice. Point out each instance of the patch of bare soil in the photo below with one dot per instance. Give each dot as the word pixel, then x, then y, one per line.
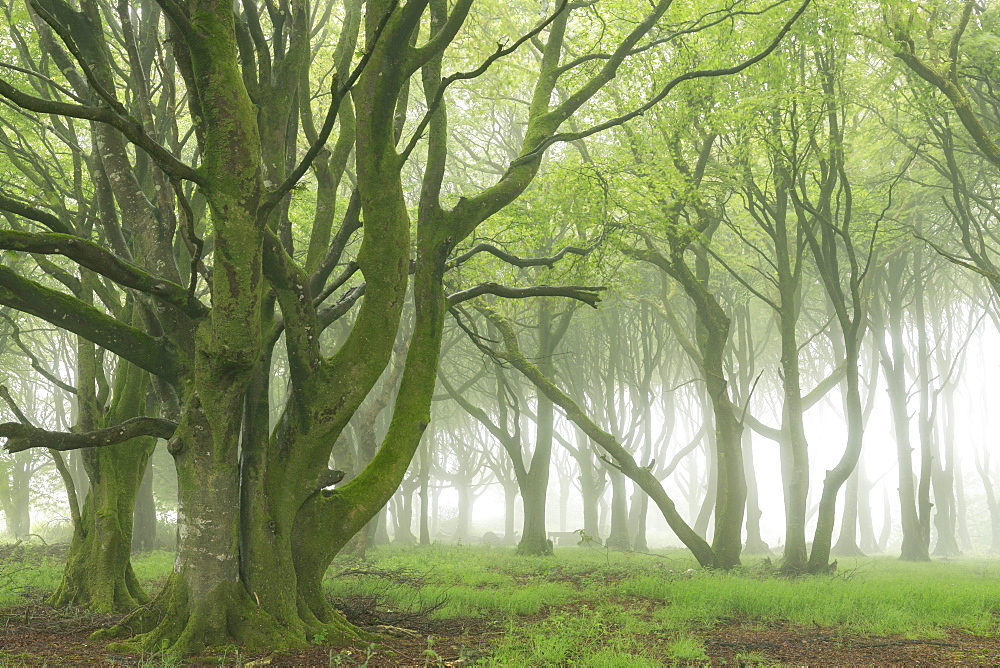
pixel 787 644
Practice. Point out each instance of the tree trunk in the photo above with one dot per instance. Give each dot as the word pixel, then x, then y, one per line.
pixel 711 486
pixel 465 500
pixel 925 417
pixel 144 520
pixel 819 558
pixel 98 574
pixel 638 515
pixel 18 515
pixel 961 514
pixel 589 492
pixel 618 537
pixel 425 481
pixel 943 478
pixel 564 487
pixel 893 367
pixel 886 531
pixel 992 502
pixel 534 537
pixel 868 542
pixel 755 543
pixel 509 512
pixel 847 543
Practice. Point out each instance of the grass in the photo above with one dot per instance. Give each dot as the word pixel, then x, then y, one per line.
pixel 872 596
pixel 38 570
pixel 591 607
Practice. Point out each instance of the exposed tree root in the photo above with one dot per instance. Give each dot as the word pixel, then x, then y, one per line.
pixel 226 617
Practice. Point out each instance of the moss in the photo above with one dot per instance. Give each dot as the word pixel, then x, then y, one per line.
pixel 98 574
pixel 225 616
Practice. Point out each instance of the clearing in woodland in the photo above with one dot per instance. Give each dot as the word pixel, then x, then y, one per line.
pixel 586 606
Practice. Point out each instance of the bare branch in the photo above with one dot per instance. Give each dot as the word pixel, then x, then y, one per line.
pixel 589 295
pixel 92 256
pixel 499 53
pixel 22 437
pixel 128 126
pixel 36 363
pixel 517 261
pixel 338 91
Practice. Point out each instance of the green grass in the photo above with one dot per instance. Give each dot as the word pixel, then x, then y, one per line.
pixel 582 637
pixel 39 572
pixel 872 596
pixel 590 607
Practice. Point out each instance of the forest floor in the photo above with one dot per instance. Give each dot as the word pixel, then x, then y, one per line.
pixel 453 606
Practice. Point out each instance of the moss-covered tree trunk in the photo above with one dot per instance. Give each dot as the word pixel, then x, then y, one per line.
pixel 98 573
pixel 205 601
pixel 534 493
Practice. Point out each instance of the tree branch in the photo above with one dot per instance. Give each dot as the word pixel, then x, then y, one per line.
pixel 129 127
pixel 517 261
pixel 338 93
pixel 586 294
pixel 656 99
pixel 36 363
pixel 157 356
pixel 22 437
pixel 92 256
pixel 19 208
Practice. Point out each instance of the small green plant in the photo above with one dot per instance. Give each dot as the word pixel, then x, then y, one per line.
pixel 236 659
pixel 588 541
pixel 341 658
pixel 369 653
pixel 431 658
pixel 751 659
pixel 686 650
pixel 320 638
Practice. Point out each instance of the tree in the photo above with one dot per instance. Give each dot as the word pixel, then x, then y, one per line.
pixel 258 524
pixel 688 217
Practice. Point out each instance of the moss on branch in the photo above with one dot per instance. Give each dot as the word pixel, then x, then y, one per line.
pixel 23 436
pixel 157 356
pixel 92 256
